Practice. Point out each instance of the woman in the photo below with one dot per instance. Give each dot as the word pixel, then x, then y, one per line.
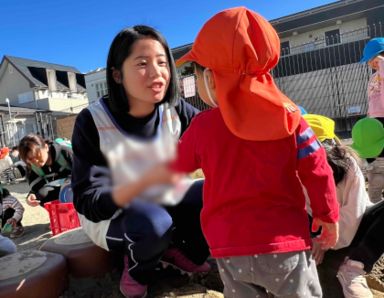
pixel 116 141
pixel 48 165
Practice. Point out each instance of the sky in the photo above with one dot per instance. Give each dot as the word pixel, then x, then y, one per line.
pixel 78 33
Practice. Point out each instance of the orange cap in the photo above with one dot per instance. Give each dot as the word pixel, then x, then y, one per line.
pixel 241 47
pixel 4 152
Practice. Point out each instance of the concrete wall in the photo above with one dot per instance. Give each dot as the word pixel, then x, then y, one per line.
pixel 45 93
pixel 69 105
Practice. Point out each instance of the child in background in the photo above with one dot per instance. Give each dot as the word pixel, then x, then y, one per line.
pixel 362 224
pixel 373 54
pixel 255 151
pixel 11 213
pixel 6 166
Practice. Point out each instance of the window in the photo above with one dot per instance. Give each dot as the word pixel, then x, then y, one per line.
pixel 101 89
pixel 332 37
pixel 285 49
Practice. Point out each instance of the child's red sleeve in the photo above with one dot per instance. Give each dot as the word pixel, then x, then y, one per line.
pixel 316 175
pixel 187 159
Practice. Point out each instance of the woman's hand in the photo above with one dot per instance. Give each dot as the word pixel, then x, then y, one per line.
pixel 32 200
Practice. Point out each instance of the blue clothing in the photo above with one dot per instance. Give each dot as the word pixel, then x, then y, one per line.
pixel 144 231
pixel 6 246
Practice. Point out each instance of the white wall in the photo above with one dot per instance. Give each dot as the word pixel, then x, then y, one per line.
pixel 69 105
pixel 96 84
pixel 13 84
pixel 44 93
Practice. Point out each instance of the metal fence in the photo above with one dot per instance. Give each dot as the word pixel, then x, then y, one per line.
pixel 13 130
pixel 325 76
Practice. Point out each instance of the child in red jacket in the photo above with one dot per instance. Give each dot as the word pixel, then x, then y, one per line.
pixel 256 153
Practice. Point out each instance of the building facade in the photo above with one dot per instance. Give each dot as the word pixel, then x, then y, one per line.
pixel 96 84
pixel 320 52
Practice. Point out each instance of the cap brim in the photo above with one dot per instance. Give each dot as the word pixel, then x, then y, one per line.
pixel 185 58
pixel 253 108
pixel 371 152
pixel 367 58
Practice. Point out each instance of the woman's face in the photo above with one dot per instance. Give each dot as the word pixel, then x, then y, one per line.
pixel 38 156
pixel 145 73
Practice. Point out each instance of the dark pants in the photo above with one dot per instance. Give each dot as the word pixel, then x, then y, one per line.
pixel 48 193
pixel 7 215
pixel 368 244
pixel 145 230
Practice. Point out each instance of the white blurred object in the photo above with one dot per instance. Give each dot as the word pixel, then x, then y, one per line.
pixel 130 157
pixel 5 163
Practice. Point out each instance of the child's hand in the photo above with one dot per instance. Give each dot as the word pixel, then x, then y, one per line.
pixel 32 200
pixel 318 253
pixel 12 222
pixel 161 174
pixel 329 233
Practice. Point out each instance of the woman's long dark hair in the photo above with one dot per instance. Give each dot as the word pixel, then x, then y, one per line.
pixel 120 49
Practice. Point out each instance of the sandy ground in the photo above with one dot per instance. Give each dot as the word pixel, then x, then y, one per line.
pixel 169 283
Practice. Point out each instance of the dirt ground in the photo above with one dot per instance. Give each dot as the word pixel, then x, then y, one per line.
pixel 169 283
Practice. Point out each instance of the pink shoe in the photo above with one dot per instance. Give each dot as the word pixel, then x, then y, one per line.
pixel 351 276
pixel 129 287
pixel 178 260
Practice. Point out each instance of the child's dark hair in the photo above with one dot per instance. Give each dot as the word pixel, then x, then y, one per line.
pixel 339 158
pixel 30 143
pixel 120 49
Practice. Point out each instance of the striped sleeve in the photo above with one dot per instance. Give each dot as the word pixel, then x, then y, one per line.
pixel 307 142
pixel 316 174
pixel 12 202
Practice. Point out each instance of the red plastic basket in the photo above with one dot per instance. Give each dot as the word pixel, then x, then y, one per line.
pixel 62 216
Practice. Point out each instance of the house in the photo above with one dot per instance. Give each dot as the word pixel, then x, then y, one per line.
pixel 41 85
pixel 38 97
pixel 320 51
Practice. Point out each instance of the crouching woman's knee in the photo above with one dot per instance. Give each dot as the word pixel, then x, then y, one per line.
pixel 151 227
